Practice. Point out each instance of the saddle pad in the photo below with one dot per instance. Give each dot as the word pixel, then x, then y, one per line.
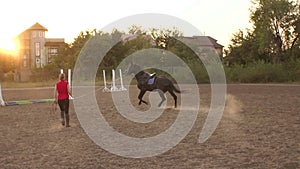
pixel 151 80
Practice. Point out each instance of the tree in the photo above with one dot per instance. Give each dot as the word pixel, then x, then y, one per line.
pixel 274 37
pixel 136 30
pixel 244 49
pixel 275 26
pixel 7 63
pixel 163 37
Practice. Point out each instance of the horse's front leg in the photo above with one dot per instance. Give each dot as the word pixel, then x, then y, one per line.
pixel 140 97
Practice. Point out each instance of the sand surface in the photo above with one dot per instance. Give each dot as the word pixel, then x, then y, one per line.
pixel 260 128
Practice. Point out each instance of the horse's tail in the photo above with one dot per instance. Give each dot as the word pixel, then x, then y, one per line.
pixel 175 89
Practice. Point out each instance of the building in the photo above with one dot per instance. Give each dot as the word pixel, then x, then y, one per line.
pixel 202 43
pixel 35 50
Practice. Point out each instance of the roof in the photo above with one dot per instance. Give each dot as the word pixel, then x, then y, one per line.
pixel 54 41
pixel 203 41
pixel 37 26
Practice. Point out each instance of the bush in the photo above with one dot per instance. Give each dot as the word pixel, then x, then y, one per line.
pixel 44 74
pixel 262 72
pixel 293 70
pixel 199 72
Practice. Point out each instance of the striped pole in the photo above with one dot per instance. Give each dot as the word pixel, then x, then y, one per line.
pixel 122 88
pixel 22 102
pixel 113 88
pixel 70 82
pixel 105 84
pixel 69 77
pixel 2 103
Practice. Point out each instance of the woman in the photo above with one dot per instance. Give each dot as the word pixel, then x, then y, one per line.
pixel 61 95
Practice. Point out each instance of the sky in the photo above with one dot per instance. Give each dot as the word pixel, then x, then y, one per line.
pixel 219 19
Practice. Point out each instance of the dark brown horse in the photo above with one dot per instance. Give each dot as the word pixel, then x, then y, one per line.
pixel 160 84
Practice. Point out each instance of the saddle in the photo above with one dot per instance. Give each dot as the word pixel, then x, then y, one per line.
pixel 148 79
pixel 151 79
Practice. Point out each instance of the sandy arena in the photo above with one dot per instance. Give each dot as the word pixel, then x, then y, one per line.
pixel 260 128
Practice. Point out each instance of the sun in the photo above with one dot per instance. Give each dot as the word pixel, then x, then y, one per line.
pixel 8 45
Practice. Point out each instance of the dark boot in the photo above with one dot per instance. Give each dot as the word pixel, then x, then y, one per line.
pixel 62 114
pixel 67 120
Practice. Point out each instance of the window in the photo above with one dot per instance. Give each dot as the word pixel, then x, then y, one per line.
pixel 53 51
pixel 37 49
pixel 40 33
pixel 24 61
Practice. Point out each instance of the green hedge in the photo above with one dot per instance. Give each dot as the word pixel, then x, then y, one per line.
pixel 262 72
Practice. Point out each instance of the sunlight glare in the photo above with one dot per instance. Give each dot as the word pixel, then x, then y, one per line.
pixel 8 45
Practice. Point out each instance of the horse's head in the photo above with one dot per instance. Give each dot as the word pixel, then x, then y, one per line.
pixel 133 69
